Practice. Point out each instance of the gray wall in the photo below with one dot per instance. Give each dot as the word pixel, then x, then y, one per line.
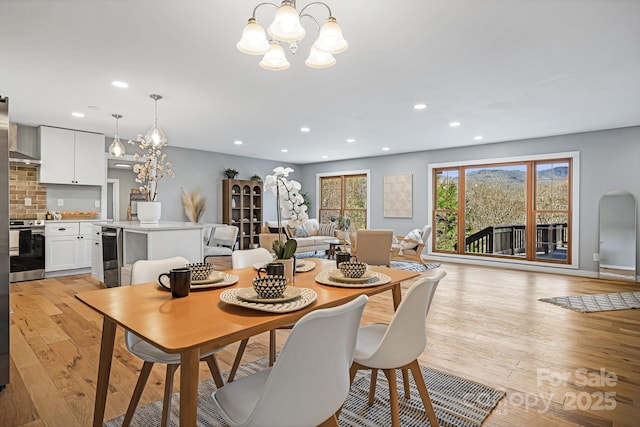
pixel 608 160
pixel 195 168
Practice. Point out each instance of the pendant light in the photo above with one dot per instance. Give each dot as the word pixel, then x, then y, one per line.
pixel 116 148
pixel 155 136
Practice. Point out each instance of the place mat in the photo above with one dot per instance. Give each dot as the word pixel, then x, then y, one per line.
pixel 597 302
pixel 380 279
pixel 307 297
pixel 458 402
pixel 250 295
pixel 304 266
pixel 229 279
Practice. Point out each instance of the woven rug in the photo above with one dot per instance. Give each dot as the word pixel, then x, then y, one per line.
pixel 413 266
pixel 597 302
pixel 457 402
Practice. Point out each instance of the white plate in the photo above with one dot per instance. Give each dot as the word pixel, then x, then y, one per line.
pixel 380 279
pixel 215 276
pixel 307 297
pixel 229 279
pixel 249 294
pixel 304 266
pixel 338 276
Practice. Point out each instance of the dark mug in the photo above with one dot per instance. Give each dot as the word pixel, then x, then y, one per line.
pixel 272 269
pixel 179 280
pixel 343 257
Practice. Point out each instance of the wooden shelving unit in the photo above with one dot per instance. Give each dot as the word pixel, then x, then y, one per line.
pixel 242 207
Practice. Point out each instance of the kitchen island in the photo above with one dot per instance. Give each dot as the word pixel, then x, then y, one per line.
pixel 155 241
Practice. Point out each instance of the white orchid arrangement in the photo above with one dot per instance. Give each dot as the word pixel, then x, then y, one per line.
pixel 153 169
pixel 290 204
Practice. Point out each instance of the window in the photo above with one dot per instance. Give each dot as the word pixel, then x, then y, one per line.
pixel 344 195
pixel 512 209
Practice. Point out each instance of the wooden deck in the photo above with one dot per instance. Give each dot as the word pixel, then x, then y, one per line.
pixel 485 324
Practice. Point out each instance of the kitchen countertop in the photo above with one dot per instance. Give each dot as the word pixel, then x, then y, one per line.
pixel 61 221
pixel 162 225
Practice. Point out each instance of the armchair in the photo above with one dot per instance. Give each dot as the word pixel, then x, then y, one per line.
pixel 372 246
pixel 222 241
pixel 410 247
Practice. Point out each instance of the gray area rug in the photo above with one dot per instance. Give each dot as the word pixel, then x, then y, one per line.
pixel 413 266
pixel 597 302
pixel 457 402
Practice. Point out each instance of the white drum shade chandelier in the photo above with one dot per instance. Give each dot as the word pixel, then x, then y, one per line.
pixel 286 27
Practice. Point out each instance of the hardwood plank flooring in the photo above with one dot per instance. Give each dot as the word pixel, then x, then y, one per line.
pixel 485 325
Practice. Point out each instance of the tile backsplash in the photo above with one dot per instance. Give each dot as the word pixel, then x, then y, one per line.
pixel 23 184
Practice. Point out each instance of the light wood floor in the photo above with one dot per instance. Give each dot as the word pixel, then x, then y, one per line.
pixel 485 325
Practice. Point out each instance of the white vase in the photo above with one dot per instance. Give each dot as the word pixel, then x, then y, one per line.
pixel 149 212
pixel 289 269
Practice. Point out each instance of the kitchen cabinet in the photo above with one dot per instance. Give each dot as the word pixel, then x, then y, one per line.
pixel 97 269
pixel 71 157
pixel 68 246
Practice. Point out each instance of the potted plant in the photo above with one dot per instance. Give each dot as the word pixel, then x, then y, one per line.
pixel 256 177
pixel 230 173
pixel 153 168
pixel 290 204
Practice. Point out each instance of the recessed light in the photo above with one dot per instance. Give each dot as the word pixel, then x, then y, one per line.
pixel 325 157
pixel 77 114
pixel 478 137
pixel 420 106
pixel 305 129
pixel 284 150
pixel 454 124
pixel 350 140
pixel 122 85
pixel 237 142
pixel 122 165
pixel 385 148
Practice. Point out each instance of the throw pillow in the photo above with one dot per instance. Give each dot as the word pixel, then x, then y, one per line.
pixel 416 235
pixel 301 232
pixel 326 229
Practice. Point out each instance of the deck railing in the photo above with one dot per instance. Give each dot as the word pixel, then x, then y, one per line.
pixel 511 239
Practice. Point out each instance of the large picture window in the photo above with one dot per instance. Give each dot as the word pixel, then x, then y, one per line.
pixel 514 209
pixel 344 196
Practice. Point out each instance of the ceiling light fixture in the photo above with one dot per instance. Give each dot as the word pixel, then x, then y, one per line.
pixel 385 148
pixel 478 138
pixel 122 85
pixel 286 27
pixel 122 165
pixel 284 150
pixel 305 129
pixel 420 106
pixel 454 124
pixel 116 148
pixel 237 142
pixel 77 114
pixel 350 140
pixel 155 136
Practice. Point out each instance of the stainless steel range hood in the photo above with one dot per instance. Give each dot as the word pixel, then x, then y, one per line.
pixel 23 145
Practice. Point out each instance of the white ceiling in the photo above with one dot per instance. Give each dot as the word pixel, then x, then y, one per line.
pixel 505 69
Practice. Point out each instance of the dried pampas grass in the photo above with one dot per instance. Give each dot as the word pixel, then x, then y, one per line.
pixel 194 204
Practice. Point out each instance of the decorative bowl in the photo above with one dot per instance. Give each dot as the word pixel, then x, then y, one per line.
pixel 353 269
pixel 200 270
pixel 270 286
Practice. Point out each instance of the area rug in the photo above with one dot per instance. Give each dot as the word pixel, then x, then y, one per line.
pixel 597 302
pixel 413 266
pixel 457 402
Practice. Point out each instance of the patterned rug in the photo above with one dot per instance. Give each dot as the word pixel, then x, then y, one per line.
pixel 401 265
pixel 457 402
pixel 597 302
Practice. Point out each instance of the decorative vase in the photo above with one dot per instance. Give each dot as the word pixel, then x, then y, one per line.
pixel 289 268
pixel 149 212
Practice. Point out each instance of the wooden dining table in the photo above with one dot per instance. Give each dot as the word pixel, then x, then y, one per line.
pixel 201 322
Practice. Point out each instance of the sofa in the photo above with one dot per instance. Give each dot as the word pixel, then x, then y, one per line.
pixel 310 236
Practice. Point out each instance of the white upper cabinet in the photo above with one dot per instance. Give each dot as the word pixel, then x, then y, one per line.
pixel 71 157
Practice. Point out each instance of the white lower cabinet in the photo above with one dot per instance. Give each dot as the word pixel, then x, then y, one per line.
pixel 68 246
pixel 97 269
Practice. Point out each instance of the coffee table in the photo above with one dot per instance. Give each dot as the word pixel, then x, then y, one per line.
pixel 333 244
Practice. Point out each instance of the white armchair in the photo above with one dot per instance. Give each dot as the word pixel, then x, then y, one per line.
pixel 222 241
pixel 409 247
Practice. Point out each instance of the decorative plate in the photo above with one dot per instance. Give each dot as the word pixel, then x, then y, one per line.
pixel 338 276
pixel 228 280
pixel 249 294
pixel 378 279
pixel 307 297
pixel 304 266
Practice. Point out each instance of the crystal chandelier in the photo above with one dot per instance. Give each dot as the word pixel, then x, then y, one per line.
pixel 116 148
pixel 155 136
pixel 286 27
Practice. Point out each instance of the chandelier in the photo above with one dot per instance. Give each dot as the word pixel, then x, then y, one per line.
pixel 155 136
pixel 116 148
pixel 286 27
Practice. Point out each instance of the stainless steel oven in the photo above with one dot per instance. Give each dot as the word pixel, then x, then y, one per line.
pixel 26 250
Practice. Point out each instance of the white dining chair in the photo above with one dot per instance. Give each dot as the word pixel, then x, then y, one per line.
pixel 242 259
pixel 145 271
pixel 309 382
pixel 398 345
